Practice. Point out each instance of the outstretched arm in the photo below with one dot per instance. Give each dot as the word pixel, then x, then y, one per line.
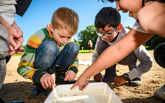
pixel 112 55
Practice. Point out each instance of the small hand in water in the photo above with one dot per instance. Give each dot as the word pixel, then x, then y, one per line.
pixel 81 82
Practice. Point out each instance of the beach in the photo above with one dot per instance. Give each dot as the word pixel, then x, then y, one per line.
pixel 16 87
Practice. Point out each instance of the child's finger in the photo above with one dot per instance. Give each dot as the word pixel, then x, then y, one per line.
pixel 83 87
pixel 52 83
pixel 75 85
pixel 115 78
pixel 43 85
pixel 74 77
pixel 66 77
pixel 46 84
pixel 116 81
pixel 71 77
pixel 119 83
pixel 49 83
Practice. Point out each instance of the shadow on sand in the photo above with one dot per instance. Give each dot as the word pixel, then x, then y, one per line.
pixel 19 91
pixel 143 100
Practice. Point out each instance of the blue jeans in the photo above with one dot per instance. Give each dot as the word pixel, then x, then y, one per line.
pixel 48 57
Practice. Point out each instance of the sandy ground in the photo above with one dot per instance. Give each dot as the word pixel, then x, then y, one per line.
pixel 17 88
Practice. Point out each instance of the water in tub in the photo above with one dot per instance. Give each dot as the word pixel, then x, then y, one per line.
pixel 91 96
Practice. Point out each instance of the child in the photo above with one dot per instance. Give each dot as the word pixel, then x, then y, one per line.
pixel 134 38
pixel 110 31
pixel 49 51
pixel 90 45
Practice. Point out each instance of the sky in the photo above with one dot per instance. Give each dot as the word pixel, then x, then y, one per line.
pixel 40 12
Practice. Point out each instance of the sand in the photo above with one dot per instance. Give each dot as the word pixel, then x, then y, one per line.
pixel 16 87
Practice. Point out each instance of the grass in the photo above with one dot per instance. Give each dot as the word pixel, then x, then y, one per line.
pixel 85 51
pixel 18 54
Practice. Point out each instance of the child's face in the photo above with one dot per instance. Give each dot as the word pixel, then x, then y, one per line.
pixel 133 6
pixel 109 33
pixel 61 36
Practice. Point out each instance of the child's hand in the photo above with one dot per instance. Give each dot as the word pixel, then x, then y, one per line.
pixel 47 81
pixel 119 80
pixel 70 76
pixel 98 77
pixel 81 82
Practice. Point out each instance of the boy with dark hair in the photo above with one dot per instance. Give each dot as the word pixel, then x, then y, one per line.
pixel 49 50
pixel 110 31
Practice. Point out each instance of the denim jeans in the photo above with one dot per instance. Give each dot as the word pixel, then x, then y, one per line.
pixel 48 56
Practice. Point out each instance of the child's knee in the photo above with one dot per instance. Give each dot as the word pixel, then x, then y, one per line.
pixel 74 47
pixel 48 47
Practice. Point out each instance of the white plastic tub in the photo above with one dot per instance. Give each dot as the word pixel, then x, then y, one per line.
pixel 94 93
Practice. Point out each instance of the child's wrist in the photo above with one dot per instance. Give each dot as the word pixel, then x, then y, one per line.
pixel 74 69
pixel 37 75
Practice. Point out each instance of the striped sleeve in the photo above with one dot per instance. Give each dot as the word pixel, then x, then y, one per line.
pixel 26 66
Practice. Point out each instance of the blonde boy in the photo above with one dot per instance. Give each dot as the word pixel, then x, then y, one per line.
pixel 49 51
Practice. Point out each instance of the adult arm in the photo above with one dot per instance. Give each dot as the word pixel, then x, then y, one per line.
pixel 112 55
pixel 15 36
pixel 11 31
pixel 18 35
pixel 152 18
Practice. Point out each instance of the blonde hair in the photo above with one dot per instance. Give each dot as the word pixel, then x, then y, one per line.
pixel 65 18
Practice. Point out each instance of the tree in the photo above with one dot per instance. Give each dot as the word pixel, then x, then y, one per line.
pixel 154 41
pixel 128 27
pixel 86 35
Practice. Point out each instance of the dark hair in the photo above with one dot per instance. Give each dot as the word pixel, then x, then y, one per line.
pixel 111 0
pixel 163 1
pixel 108 0
pixel 107 16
